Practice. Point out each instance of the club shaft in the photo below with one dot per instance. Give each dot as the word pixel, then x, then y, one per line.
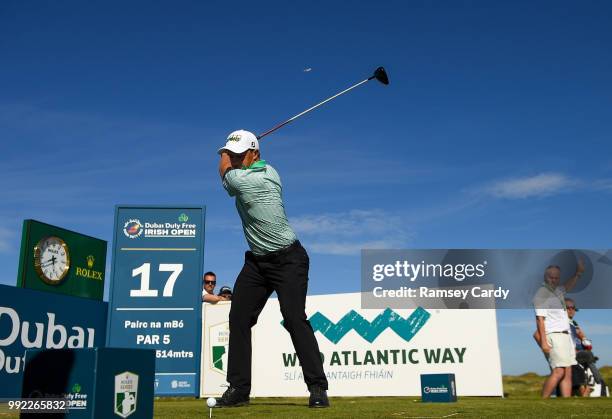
pixel 312 108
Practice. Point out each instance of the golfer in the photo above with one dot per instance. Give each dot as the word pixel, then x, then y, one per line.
pixel 276 262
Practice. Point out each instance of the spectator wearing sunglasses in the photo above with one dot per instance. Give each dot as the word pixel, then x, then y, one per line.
pixel 208 294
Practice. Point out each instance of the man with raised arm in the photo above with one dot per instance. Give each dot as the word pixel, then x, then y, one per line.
pixel 553 329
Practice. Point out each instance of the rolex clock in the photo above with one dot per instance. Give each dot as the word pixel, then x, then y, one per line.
pixel 51 259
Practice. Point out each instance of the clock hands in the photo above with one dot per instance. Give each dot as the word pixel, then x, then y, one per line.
pixel 49 262
pixel 51 259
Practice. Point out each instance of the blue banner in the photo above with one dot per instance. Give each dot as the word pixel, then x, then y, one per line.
pixel 95 383
pixel 156 290
pixel 35 319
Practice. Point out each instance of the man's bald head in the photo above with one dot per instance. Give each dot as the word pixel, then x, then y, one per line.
pixel 552 275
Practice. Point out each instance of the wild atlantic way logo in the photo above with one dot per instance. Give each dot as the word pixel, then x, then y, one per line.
pixel 405 328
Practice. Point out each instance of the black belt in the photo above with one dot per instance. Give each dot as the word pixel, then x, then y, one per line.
pixel 279 252
pixel 565 333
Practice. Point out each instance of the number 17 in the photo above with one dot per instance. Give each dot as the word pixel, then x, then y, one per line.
pixel 144 271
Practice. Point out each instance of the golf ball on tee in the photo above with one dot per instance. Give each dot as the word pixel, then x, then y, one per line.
pixel 211 402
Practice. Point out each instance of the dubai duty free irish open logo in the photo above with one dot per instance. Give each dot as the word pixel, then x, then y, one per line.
pixel 132 228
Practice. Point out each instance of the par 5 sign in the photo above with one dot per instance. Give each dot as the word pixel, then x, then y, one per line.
pixel 156 290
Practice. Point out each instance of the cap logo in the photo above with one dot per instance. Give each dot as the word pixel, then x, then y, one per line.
pixel 235 137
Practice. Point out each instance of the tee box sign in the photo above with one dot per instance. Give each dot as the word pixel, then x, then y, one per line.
pixel 438 388
pixel 156 291
pixel 54 259
pixel 95 382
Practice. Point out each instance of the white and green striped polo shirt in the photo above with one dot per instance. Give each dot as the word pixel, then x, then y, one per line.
pixel 258 192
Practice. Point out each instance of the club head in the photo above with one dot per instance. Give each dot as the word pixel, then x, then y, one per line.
pixel 381 75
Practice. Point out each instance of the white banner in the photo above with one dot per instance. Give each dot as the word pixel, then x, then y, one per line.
pixel 215 340
pixel 366 352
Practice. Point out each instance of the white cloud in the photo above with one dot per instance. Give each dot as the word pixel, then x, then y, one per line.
pixel 603 185
pixel 351 248
pixel 346 233
pixel 544 184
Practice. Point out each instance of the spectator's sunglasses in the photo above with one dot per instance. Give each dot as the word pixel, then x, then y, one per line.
pixel 571 307
pixel 210 282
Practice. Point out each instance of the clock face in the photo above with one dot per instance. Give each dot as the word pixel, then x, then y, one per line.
pixel 51 259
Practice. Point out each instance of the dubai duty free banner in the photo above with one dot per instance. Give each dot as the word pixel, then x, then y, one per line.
pixel 31 319
pixel 156 288
pixel 379 352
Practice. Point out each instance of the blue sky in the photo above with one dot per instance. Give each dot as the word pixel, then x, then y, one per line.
pixel 494 132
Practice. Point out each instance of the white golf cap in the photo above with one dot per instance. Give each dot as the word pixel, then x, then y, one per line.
pixel 240 141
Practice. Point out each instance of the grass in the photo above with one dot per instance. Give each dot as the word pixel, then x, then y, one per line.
pixel 521 400
pixel 394 407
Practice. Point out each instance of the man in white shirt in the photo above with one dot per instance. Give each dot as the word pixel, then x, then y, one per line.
pixel 208 290
pixel 553 334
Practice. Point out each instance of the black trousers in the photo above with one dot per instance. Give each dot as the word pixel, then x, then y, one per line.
pixel 286 272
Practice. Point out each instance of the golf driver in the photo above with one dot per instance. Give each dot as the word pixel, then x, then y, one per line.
pixel 380 74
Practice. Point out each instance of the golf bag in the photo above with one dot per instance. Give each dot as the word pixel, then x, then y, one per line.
pixel 593 379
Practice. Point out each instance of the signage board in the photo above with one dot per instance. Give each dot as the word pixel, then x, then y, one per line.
pixel 61 261
pixel 379 352
pixel 438 388
pixel 38 320
pixel 93 383
pixel 156 290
